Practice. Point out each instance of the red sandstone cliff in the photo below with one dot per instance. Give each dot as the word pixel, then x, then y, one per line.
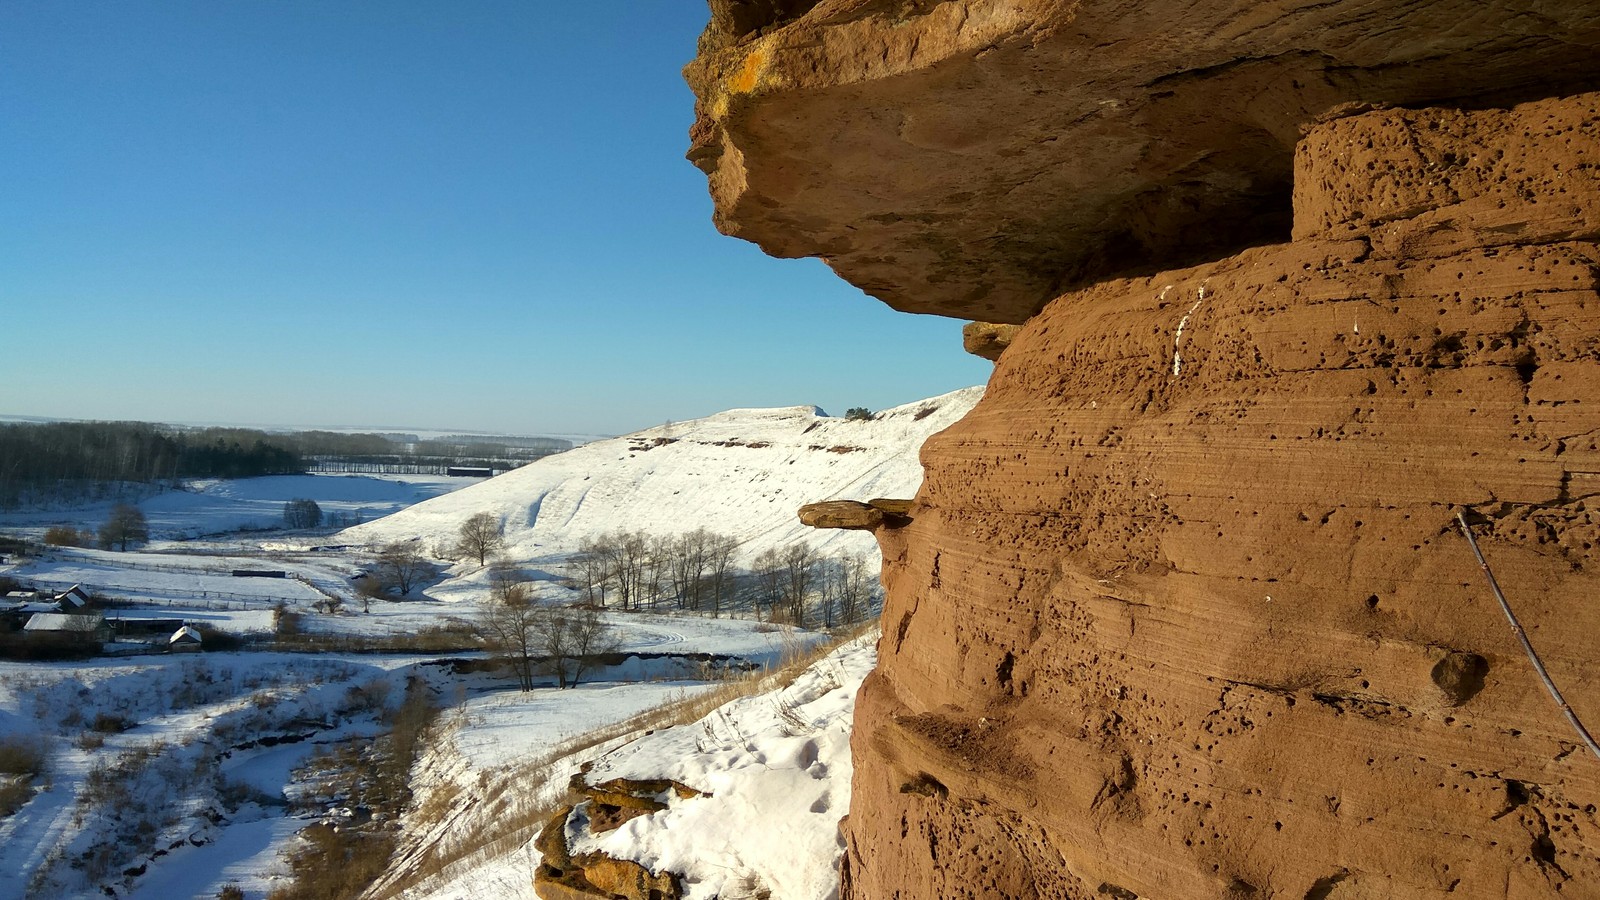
pixel 1184 613
pixel 974 157
pixel 1181 610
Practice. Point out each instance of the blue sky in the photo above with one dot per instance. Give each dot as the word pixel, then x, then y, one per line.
pixel 459 214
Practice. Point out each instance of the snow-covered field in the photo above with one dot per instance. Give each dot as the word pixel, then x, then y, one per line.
pixel 221 506
pixel 193 794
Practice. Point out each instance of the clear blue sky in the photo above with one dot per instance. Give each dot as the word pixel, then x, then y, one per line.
pixel 453 214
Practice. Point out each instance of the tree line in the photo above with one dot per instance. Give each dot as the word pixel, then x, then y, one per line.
pixel 40 457
pixel 56 458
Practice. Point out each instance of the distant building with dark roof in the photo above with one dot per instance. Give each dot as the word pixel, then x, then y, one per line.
pixel 62 628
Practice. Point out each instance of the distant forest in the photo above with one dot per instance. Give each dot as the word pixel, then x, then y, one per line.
pixel 43 456
pixel 39 461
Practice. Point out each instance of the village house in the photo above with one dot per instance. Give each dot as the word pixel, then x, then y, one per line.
pixel 66 630
pixel 72 599
pixel 184 640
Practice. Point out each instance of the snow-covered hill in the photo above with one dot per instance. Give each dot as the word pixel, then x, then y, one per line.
pixel 742 472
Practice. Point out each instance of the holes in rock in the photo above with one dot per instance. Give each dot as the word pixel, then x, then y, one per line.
pixel 1543 849
pixel 925 785
pixel 1460 676
pixel 1525 369
pixel 1003 671
pixel 1516 795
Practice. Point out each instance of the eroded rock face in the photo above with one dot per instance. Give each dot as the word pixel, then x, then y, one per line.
pixel 1182 610
pixel 973 158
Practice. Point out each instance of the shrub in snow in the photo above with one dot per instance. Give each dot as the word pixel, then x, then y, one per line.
pixel 67 536
pixel 21 755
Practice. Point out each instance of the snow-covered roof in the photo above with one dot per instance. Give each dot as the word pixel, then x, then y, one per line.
pixel 74 596
pixel 184 635
pixel 63 622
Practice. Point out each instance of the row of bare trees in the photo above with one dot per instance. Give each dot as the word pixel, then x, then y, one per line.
pixel 696 572
pixel 530 636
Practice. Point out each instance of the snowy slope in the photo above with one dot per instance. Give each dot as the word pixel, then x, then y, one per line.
pixel 774 771
pixel 775 768
pixel 743 472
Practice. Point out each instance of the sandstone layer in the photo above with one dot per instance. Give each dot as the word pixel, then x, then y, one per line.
pixel 1182 611
pixel 974 158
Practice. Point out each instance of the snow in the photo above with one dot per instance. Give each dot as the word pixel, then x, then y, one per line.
pixel 774 771
pixel 246 854
pixel 741 472
pixel 167 577
pixel 505 728
pixel 180 713
pixel 776 765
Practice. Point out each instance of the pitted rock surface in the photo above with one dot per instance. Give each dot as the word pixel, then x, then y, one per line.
pixel 1182 610
pixel 974 158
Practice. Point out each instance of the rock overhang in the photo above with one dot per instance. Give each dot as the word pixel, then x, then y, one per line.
pixel 977 158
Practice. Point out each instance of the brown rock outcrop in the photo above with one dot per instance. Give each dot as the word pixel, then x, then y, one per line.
pixel 986 339
pixel 847 514
pixel 563 875
pixel 855 515
pixel 974 158
pixel 1182 611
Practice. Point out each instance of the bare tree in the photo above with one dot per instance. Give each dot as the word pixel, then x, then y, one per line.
pixel 633 566
pixel 481 535
pixel 401 566
pixel 594 571
pixel 852 587
pixel 626 558
pixel 302 512
pixel 657 568
pixel 572 640
pixel 828 598
pixel 799 562
pixel 719 578
pixel 125 526
pixel 368 589
pixel 509 625
pixel 768 569
pixel 685 557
